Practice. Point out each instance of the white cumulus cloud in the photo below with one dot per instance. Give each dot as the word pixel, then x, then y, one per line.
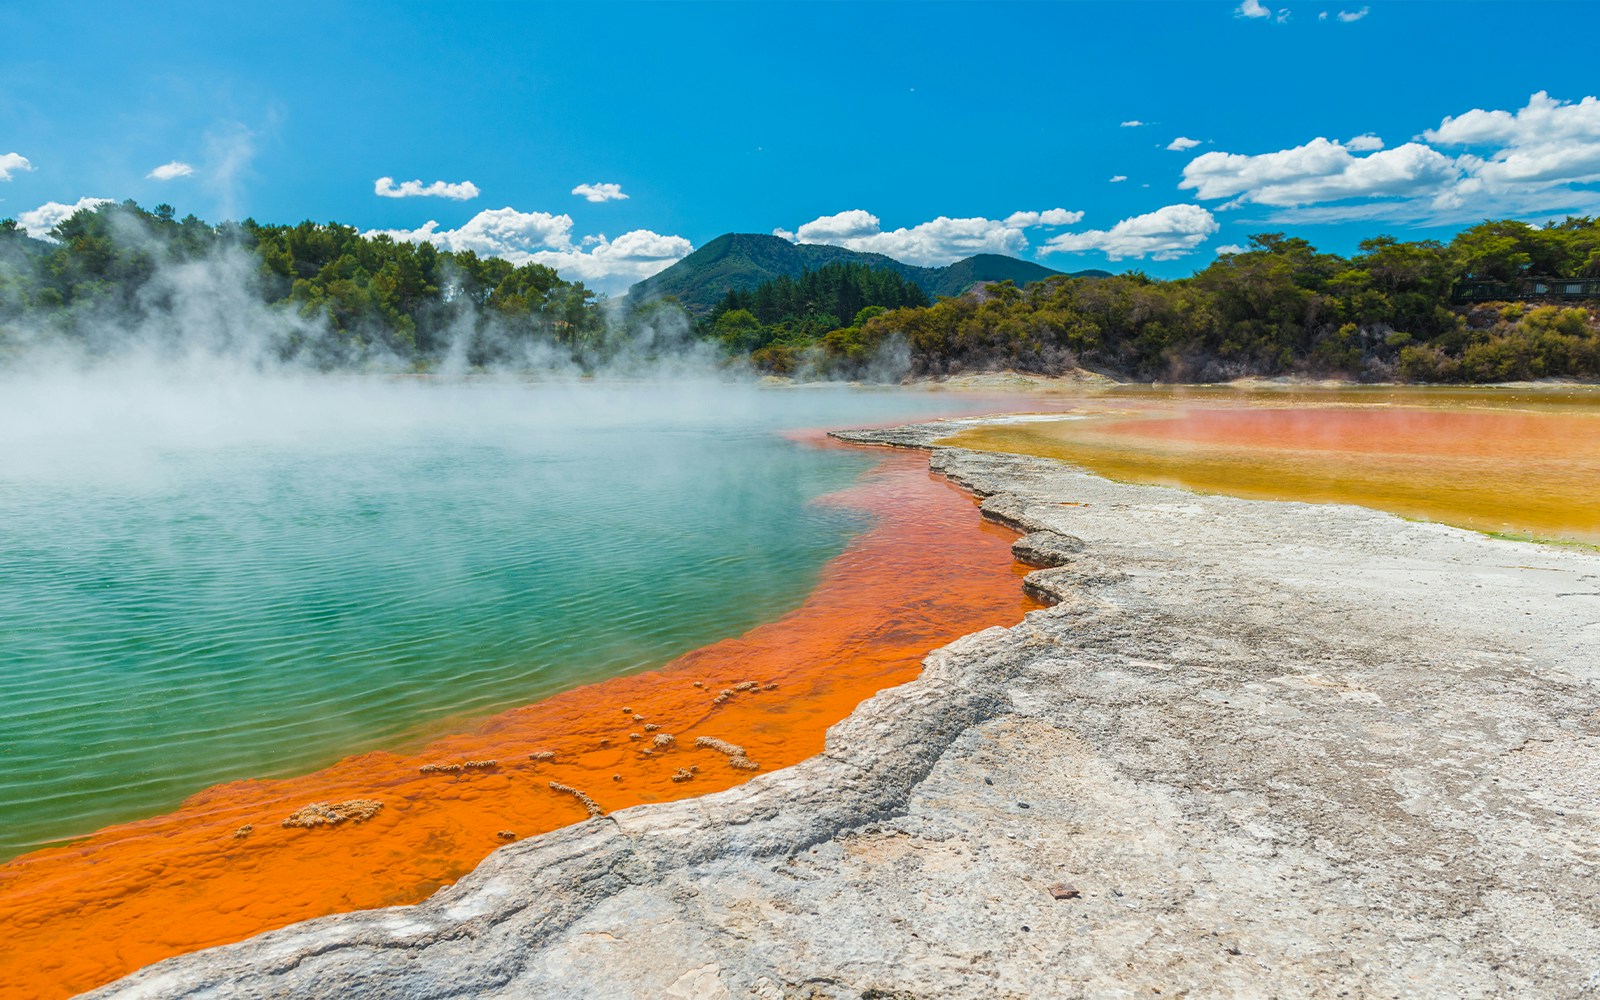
pixel 931 244
pixel 1132 123
pixel 1546 140
pixel 1538 161
pixel 1319 171
pixel 1543 156
pixel 494 232
pixel 1049 217
pixel 1252 9
pixel 46 217
pixel 11 163
pixel 385 187
pixel 1182 143
pixel 1118 178
pixel 542 238
pixel 855 224
pixel 170 171
pixel 613 265
pixel 600 192
pixel 1165 234
pixel 1228 248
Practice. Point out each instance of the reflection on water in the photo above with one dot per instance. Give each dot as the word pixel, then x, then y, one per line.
pixel 1519 462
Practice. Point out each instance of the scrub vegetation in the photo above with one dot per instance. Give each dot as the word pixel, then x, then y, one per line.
pixel 1280 307
pixel 1475 309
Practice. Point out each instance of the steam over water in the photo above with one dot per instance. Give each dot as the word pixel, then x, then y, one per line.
pixel 203 581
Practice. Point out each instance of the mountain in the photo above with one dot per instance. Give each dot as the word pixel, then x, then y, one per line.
pixel 986 267
pixel 745 260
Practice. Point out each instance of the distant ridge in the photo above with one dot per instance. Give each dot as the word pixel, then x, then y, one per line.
pixel 742 261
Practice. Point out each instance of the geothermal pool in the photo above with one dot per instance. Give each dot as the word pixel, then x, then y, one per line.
pixel 262 579
pixel 223 601
pixel 1519 463
pixel 253 580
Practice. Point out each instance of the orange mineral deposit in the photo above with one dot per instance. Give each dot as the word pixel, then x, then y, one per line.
pixel 382 829
pixel 1524 472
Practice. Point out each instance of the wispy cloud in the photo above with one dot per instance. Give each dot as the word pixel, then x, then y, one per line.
pixel 1118 178
pixel 11 163
pixel 600 192
pixel 385 187
pixel 1348 15
pixel 229 148
pixel 1132 123
pixel 170 171
pixel 1165 234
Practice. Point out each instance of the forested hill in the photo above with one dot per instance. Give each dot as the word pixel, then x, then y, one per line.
pixel 1414 312
pixel 741 262
pixel 318 293
pixel 1500 301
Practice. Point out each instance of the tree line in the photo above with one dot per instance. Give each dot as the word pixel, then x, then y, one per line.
pixel 1278 307
pixel 779 322
pixel 365 296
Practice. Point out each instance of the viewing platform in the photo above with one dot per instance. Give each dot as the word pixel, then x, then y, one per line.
pixel 1527 290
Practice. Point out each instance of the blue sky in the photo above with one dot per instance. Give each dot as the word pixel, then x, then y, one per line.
pixel 927 131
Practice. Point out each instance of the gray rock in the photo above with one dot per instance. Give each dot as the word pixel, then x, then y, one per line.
pixel 1046 549
pixel 1275 749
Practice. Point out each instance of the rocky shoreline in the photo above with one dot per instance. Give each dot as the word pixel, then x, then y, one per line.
pixel 1254 749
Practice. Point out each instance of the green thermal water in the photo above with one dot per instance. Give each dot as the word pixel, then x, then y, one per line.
pixel 256 578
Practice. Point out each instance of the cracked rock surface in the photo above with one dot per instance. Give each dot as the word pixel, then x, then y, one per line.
pixel 1275 749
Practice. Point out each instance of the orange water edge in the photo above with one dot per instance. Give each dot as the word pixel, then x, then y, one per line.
pixel 928 571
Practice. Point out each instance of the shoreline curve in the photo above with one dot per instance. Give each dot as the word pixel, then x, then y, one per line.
pixel 1255 747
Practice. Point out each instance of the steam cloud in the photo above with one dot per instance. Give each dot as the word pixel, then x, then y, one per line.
pixel 208 319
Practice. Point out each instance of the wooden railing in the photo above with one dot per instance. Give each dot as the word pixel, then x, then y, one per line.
pixel 1527 290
